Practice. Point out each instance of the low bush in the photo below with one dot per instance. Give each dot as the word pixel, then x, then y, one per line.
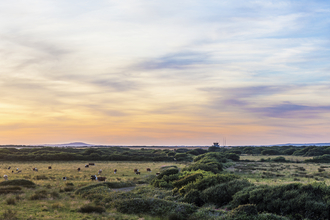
pixel 41 177
pixel 208 181
pixel 155 207
pixel 296 200
pixel 41 194
pixel 11 201
pixel 248 209
pixel 91 208
pixel 19 182
pixel 168 172
pixel 222 194
pixel 187 179
pixel 10 189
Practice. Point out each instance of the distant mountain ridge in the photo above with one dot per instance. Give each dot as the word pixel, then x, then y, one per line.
pixel 73 144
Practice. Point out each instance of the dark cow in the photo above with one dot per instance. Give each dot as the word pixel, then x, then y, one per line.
pixel 115 171
pixel 19 171
pixel 91 164
pixel 9 168
pixel 157 174
pixel 49 168
pixel 137 173
pixel 16 169
pixel 35 169
pixel 12 171
pixel 101 179
pixel 136 170
pixel 93 177
pixel 86 165
pixel 78 169
pixel 148 170
pixel 100 171
pixel 64 178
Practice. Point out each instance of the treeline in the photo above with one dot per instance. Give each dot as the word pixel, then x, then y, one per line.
pixel 306 151
pixel 100 154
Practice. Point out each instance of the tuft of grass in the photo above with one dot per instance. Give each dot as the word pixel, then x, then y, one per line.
pixel 90 208
pixel 11 201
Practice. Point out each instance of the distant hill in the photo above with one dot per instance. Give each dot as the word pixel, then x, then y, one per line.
pixel 73 144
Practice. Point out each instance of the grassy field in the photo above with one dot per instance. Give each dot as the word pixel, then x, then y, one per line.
pixel 59 201
pixel 54 198
pixel 273 173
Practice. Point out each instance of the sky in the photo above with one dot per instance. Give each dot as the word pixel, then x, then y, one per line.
pixel 165 72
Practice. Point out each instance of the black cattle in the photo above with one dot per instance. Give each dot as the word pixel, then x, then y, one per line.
pixel 115 171
pixel 49 168
pixel 137 173
pixel 91 164
pixel 64 178
pixel 101 179
pixel 78 169
pixel 157 174
pixel 9 168
pixel 148 170
pixel 93 177
pixel 86 165
pixel 136 170
pixel 35 169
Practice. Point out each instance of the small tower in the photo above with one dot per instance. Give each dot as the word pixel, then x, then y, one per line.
pixel 216 144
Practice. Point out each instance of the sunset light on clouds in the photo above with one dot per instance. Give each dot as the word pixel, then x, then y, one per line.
pixel 164 72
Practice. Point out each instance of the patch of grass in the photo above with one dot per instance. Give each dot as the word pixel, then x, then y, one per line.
pixel 19 182
pixel 91 208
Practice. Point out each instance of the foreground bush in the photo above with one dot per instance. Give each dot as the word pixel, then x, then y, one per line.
pixel 155 207
pixel 294 200
pixel 222 194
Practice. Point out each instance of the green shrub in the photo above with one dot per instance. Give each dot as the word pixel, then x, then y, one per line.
pixel 297 200
pixel 248 209
pixel 19 182
pixel 222 194
pixel 155 207
pixel 41 177
pixel 193 196
pixel 187 179
pixel 10 189
pixel 168 172
pixel 9 215
pixel 41 194
pixel 11 201
pixel 91 208
pixel 206 182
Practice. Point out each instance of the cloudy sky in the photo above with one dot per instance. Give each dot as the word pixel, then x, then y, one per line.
pixel 165 72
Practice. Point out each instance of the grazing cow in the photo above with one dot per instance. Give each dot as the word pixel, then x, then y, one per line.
pixel 64 178
pixel 49 168
pixel 136 170
pixel 5 177
pixel 91 164
pixel 157 174
pixel 9 168
pixel 115 171
pixel 19 171
pixel 100 171
pixel 101 179
pixel 12 171
pixel 16 169
pixel 78 169
pixel 93 177
pixel 137 173
pixel 35 169
pixel 86 165
pixel 148 170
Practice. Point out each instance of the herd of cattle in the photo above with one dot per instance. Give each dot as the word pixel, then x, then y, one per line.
pixel 93 177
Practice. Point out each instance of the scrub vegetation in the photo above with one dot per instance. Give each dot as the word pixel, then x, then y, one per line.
pixel 218 183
